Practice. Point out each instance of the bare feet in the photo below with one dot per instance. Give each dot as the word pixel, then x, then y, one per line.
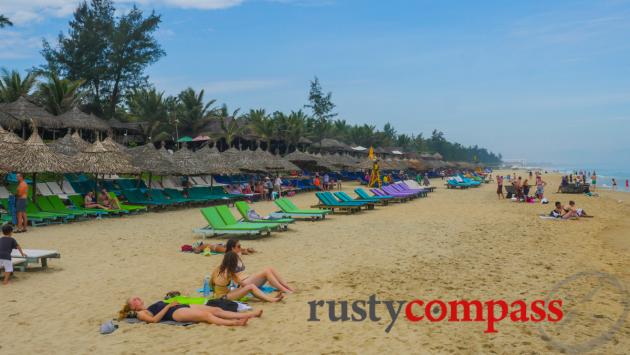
pixel 279 297
pixel 258 313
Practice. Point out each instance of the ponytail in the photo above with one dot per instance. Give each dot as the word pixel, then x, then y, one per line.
pixel 126 312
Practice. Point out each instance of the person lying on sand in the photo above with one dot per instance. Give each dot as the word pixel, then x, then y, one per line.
pixel 232 270
pixel 200 247
pixel 161 312
pixel 574 211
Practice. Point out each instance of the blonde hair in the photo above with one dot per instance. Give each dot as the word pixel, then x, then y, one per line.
pixel 126 312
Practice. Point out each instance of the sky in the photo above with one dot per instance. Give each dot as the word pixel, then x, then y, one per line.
pixel 545 81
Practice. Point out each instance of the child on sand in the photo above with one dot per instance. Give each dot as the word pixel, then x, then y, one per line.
pixel 7 244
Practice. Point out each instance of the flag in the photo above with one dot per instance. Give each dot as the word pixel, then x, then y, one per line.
pixel 371 153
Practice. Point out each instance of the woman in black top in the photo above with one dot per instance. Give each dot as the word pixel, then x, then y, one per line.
pixel 161 311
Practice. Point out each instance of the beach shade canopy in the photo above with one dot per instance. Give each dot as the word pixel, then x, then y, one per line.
pixel 333 145
pixel 69 145
pixel 243 161
pixel 8 140
pixel 96 159
pixel 113 146
pixel 24 111
pixel 215 162
pixel 304 140
pixel 9 121
pixel 187 163
pixel 201 139
pixel 33 156
pixel 151 160
pixel 273 162
pixel 77 119
pixel 185 139
pixel 299 156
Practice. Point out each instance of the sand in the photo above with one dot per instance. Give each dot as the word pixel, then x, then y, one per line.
pixel 452 245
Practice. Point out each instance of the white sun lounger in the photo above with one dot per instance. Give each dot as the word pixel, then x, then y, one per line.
pixel 43 189
pixel 37 256
pixel 67 188
pixel 198 181
pixel 169 183
pixel 18 264
pixel 4 193
pixel 56 189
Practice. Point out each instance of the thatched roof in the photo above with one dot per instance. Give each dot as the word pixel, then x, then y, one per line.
pixel 77 119
pixel 188 163
pixel 215 162
pixel 438 156
pixel 242 161
pixel 9 121
pixel 149 159
pixel 299 156
pixel 70 144
pixel 274 162
pixel 33 156
pixel 304 140
pixel 96 159
pixel 134 127
pixel 24 110
pixel 333 145
pixel 114 146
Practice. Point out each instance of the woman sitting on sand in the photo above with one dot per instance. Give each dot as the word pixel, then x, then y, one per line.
pixel 572 211
pixel 228 272
pixel 268 274
pixel 161 312
pixel 199 247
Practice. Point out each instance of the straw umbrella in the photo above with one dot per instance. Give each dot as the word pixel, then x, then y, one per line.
pixel 77 119
pixel 70 144
pixel 188 163
pixel 151 160
pixel 25 112
pixel 33 157
pixel 215 162
pixel 97 160
pixel 241 161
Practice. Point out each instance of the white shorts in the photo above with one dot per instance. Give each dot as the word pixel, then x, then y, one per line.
pixel 7 265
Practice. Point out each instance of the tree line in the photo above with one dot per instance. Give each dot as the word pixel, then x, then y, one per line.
pixel 99 65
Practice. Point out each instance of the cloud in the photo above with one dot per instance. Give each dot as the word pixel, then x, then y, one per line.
pixel 22 12
pixel 16 45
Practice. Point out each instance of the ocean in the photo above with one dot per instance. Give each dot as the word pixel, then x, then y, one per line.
pixel 604 177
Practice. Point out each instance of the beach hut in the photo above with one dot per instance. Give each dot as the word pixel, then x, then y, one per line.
pixel 26 112
pixel 33 157
pixel 69 145
pixel 79 120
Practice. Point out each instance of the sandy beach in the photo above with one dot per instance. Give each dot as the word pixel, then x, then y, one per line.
pixel 452 245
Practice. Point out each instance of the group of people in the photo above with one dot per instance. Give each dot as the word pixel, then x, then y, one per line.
pixel 521 187
pixel 102 201
pixel 229 281
pixel 567 212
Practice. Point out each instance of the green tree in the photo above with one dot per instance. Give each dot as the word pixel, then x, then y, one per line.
pixel 12 86
pixel 109 53
pixel 322 106
pixel 150 106
pixel 191 112
pixel 262 124
pixel 230 126
pixel 4 21
pixel 57 95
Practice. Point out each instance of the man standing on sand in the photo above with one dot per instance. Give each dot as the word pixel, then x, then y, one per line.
pixel 500 186
pixel 20 204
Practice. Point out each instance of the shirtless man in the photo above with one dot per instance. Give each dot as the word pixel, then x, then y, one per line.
pixel 20 204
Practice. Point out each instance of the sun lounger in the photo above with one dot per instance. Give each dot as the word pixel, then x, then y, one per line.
pixel 4 193
pixel 136 197
pixel 399 196
pixel 243 208
pixel 56 189
pixel 158 196
pixel 38 256
pixel 363 194
pixel 79 202
pixel 178 195
pixel 216 225
pixel 123 206
pixel 58 205
pixel 370 200
pixel 67 188
pixel 290 210
pixel 45 206
pixel 42 189
pixel 228 218
pixel 331 203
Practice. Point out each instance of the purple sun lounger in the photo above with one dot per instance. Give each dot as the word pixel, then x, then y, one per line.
pixel 396 195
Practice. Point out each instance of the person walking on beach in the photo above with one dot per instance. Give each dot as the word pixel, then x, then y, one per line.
pixel 7 244
pixel 540 188
pixel 594 180
pixel 614 184
pixel 20 204
pixel 500 187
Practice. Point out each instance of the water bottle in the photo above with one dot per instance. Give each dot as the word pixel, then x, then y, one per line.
pixel 206 286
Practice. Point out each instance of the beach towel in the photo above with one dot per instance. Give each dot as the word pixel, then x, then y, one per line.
pixel 168 322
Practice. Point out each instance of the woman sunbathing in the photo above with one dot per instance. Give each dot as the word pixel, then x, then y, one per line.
pixel 200 247
pixel 89 202
pixel 105 200
pixel 161 312
pixel 229 271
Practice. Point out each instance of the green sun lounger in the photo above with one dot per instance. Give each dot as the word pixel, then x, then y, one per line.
pixel 228 218
pixel 345 197
pixel 289 209
pixel 217 226
pixel 45 206
pixel 78 201
pixel 58 204
pixel 243 208
pixel 331 203
pixel 158 196
pixel 123 206
pixel 178 195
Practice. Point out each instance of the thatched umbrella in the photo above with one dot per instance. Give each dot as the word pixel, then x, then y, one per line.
pixel 274 162
pixel 77 119
pixel 188 163
pixel 8 141
pixel 33 157
pixel 97 160
pixel 215 162
pixel 242 161
pixel 9 121
pixel 299 156
pixel 25 111
pixel 111 145
pixel 70 144
pixel 151 160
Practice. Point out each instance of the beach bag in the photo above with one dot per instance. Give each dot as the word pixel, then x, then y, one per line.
pixel 187 248
pixel 224 304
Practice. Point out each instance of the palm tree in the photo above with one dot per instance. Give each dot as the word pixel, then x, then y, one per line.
pixel 296 127
pixel 230 126
pixel 59 95
pixel 4 21
pixel 192 113
pixel 12 86
pixel 262 124
pixel 150 106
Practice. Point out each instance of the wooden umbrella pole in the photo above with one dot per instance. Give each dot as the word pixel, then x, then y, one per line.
pixel 34 186
pixel 150 179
